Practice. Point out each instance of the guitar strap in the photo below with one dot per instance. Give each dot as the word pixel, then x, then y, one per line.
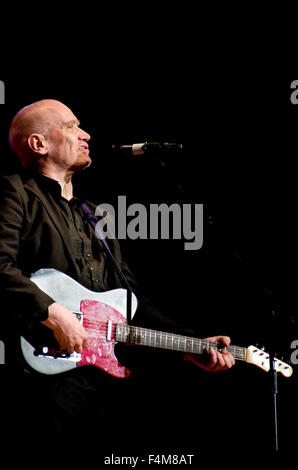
pixel 93 220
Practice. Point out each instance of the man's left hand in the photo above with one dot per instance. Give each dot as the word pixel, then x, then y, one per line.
pixel 218 361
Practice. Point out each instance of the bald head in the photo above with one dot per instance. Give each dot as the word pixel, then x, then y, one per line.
pixel 37 118
pixel 46 136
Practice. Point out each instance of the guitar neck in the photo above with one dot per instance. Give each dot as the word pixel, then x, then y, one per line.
pixel 162 340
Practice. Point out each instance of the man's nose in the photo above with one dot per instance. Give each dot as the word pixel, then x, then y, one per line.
pixel 84 135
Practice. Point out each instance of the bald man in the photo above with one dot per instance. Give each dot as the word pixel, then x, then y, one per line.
pixel 46 136
pixel 42 225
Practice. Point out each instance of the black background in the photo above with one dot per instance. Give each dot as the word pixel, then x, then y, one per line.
pixel 230 108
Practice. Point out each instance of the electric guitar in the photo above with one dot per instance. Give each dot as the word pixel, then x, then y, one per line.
pixel 103 316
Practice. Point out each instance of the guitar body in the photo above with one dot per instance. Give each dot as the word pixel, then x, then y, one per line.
pixel 100 350
pixel 103 315
pixel 99 310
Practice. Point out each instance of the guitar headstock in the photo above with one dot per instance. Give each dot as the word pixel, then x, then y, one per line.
pixel 261 359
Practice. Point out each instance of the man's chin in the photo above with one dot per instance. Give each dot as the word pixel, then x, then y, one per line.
pixel 87 164
pixel 82 165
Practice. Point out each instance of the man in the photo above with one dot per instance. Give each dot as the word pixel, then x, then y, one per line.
pixel 42 225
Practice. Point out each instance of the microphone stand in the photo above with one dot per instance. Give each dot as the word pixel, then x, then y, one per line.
pixel 274 396
pixel 273 372
pixel 274 384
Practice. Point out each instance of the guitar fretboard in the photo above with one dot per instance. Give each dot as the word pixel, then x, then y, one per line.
pixel 160 339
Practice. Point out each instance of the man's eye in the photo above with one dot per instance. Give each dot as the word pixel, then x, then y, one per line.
pixel 71 125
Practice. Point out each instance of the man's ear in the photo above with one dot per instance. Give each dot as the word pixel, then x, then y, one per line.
pixel 37 143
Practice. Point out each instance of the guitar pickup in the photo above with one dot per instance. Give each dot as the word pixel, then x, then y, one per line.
pixel 109 330
pixel 58 354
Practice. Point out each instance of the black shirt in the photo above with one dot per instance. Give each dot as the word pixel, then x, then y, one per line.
pixel 41 229
pixel 87 250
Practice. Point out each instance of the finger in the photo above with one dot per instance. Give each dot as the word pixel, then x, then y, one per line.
pixel 220 360
pixel 228 356
pixel 212 358
pixel 78 348
pixel 85 339
pixel 229 360
pixel 216 362
pixel 224 340
pixel 61 341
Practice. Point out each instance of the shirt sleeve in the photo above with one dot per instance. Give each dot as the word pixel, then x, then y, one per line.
pixel 24 302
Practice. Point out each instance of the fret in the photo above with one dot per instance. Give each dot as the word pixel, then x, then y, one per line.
pixel 238 352
pixel 188 345
pixel 169 340
pixel 150 338
pixel 199 347
pixel 155 338
pixel 175 342
pixel 165 343
pixel 160 339
pixel 144 334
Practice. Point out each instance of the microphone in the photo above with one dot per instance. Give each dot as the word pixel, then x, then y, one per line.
pixel 150 148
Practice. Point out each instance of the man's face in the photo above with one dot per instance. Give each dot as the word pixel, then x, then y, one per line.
pixel 67 144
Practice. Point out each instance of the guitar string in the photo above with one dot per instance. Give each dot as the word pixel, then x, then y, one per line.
pixel 146 332
pixel 238 352
pixel 164 337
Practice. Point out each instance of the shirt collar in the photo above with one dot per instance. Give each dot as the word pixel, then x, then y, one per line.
pixel 53 187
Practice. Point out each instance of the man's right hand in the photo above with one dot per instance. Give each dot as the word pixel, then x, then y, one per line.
pixel 68 331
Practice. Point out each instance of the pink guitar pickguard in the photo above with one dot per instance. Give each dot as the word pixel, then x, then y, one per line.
pixel 100 351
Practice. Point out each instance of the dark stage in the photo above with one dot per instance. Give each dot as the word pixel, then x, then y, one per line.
pixel 239 141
